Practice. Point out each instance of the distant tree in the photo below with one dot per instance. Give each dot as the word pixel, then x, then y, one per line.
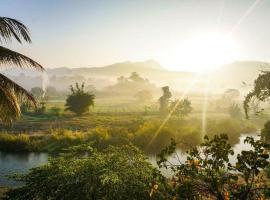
pixel 181 108
pixel 261 91
pixel 144 96
pixel 10 92
pixel 37 92
pixel 234 111
pixel 51 91
pixel 79 101
pixel 164 100
pixel 121 79
pixel 136 77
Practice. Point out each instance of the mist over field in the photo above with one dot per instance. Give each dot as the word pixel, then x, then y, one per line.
pixel 134 100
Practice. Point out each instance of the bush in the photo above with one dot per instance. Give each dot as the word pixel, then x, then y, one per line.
pixel 79 101
pixel 83 173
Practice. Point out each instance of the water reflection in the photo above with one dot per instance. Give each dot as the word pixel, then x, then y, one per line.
pixel 11 163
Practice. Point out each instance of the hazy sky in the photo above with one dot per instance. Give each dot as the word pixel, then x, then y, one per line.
pixel 85 33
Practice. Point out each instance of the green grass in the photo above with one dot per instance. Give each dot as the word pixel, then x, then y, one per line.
pixel 109 129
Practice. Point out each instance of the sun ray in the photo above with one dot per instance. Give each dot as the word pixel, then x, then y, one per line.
pixel 193 81
pixel 244 16
pixel 205 106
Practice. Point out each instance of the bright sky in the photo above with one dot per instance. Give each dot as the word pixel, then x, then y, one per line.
pixel 180 34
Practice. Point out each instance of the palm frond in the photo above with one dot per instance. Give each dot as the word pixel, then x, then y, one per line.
pixel 12 28
pixel 10 57
pixel 9 108
pixel 10 94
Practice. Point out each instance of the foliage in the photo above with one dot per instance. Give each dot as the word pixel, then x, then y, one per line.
pixel 84 173
pixel 164 100
pixel 79 101
pixel 181 108
pixel 261 90
pixel 265 132
pixel 10 92
pixel 234 111
pixel 37 92
pixel 15 143
pixel 129 86
pixel 207 173
pixel 118 130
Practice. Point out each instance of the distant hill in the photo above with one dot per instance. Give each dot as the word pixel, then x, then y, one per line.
pixel 228 76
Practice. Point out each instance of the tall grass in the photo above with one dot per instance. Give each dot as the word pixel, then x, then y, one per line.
pixel 186 133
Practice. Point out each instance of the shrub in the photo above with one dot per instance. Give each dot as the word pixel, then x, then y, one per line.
pixel 79 101
pixel 83 173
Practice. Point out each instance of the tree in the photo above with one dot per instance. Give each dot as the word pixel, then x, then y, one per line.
pixel 136 77
pixel 261 90
pixel 51 91
pixel 144 96
pixel 207 173
pixel 79 101
pixel 10 92
pixel 84 173
pixel 234 111
pixel 181 108
pixel 164 100
pixel 37 92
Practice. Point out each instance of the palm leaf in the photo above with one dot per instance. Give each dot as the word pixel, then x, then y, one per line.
pixel 10 94
pixel 12 28
pixel 10 57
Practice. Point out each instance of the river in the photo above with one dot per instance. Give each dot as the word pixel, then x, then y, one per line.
pixel 11 163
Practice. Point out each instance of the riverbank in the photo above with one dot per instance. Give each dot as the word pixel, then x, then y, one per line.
pixel 117 131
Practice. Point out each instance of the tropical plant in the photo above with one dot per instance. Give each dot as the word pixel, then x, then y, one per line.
pixel 10 92
pixel 207 173
pixel 261 90
pixel 79 101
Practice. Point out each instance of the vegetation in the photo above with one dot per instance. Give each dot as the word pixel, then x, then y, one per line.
pixel 10 92
pixel 114 130
pixel 164 100
pixel 79 101
pixel 207 172
pixel 181 108
pixel 84 173
pixel 261 90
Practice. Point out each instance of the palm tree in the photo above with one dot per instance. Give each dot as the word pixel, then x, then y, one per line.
pixel 10 92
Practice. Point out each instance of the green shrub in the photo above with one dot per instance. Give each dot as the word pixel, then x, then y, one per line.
pixel 83 173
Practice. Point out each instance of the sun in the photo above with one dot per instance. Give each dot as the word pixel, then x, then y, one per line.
pixel 202 53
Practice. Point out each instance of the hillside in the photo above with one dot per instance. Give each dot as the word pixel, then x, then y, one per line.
pixel 228 76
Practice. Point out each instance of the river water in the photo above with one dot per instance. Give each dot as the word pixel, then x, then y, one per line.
pixel 11 163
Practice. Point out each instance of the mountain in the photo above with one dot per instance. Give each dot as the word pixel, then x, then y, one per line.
pixel 228 76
